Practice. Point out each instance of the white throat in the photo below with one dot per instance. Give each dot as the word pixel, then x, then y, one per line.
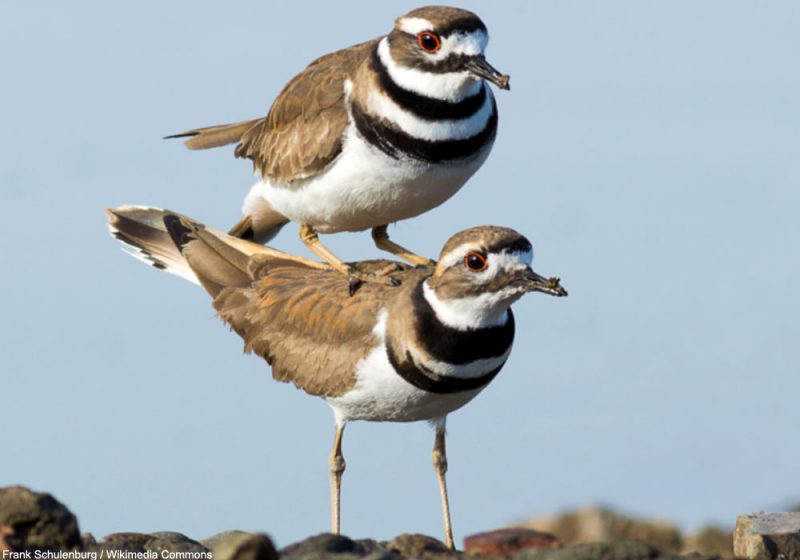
pixel 471 312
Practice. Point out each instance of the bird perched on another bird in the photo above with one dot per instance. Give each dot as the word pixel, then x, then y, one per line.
pixel 369 135
pixel 417 352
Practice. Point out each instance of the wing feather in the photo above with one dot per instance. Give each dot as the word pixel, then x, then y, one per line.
pixel 302 133
pixel 307 326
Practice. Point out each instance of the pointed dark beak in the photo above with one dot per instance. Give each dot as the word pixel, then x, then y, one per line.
pixel 478 66
pixel 535 283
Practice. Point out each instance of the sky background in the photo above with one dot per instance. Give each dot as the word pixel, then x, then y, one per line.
pixel 650 151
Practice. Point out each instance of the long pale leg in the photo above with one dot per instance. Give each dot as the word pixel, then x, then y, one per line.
pixel 440 465
pixel 337 466
pixel 311 240
pixel 382 242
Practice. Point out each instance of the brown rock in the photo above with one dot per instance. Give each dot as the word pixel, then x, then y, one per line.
pixel 420 546
pixel 767 536
pixel 618 550
pixel 504 543
pixel 710 540
pixel 35 521
pixel 603 525
pixel 5 531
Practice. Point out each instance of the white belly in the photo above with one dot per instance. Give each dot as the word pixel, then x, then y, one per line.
pixel 364 188
pixel 381 394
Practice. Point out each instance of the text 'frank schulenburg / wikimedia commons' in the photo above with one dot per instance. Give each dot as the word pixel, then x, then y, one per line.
pixel 104 555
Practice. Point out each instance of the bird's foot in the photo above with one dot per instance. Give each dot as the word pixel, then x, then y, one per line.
pixel 356 279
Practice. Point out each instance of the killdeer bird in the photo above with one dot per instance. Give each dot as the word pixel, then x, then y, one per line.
pixel 369 135
pixel 417 352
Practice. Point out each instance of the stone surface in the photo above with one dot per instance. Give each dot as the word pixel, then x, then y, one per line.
pixel 173 542
pixel 619 550
pixel 420 546
pixel 35 521
pixel 125 541
pixel 710 540
pixel 326 545
pixel 767 536
pixel 236 545
pixel 504 543
pixel 143 542
pixel 212 541
pixel 603 525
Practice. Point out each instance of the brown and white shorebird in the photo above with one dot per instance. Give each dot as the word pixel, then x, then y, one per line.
pixel 415 352
pixel 369 135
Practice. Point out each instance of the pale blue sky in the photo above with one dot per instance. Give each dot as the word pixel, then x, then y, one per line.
pixel 651 152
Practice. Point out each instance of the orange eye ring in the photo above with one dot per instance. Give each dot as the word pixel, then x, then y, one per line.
pixel 476 262
pixel 429 41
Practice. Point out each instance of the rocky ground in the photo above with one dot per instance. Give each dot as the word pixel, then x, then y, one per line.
pixel 31 521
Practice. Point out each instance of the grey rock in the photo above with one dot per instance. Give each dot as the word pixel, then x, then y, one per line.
pixel 36 521
pixel 126 542
pixel 87 539
pixel 212 541
pixel 373 550
pixel 337 547
pixel 238 545
pixel 420 546
pixel 173 542
pixel 767 536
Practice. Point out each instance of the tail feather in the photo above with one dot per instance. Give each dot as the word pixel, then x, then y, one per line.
pixel 215 136
pixel 146 238
pixel 176 244
pixel 216 264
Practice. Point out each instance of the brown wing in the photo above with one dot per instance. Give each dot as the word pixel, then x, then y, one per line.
pixel 302 133
pixel 307 326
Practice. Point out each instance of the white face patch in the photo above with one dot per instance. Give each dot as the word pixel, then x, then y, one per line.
pixel 469 44
pixel 489 309
pixel 450 86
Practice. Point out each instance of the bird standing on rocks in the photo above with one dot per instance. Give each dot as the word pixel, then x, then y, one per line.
pixel 416 352
pixel 369 135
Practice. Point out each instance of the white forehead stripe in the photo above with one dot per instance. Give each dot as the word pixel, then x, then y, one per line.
pixel 414 25
pixel 504 259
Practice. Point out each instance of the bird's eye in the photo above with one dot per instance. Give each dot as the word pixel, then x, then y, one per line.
pixel 476 262
pixel 429 41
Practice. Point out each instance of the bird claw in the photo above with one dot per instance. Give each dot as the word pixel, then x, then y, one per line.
pixel 355 279
pixel 353 284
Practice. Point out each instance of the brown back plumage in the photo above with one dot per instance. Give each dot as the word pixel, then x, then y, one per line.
pixel 295 313
pixel 302 133
pixel 306 325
